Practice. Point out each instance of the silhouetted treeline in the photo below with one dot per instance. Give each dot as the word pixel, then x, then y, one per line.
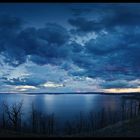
pixel 14 117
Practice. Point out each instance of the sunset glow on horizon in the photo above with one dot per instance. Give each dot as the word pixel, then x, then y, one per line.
pixel 122 90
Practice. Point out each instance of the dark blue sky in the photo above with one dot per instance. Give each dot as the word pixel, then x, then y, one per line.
pixel 71 47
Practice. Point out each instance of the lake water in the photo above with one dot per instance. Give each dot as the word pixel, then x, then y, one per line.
pixel 65 106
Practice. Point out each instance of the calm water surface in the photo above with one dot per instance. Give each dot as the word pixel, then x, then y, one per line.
pixel 65 106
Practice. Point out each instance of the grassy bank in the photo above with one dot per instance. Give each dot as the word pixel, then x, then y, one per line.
pixel 127 128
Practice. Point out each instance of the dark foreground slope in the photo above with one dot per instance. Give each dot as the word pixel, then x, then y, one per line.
pixel 128 128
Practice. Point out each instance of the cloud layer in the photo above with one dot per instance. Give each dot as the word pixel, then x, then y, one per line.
pixel 103 47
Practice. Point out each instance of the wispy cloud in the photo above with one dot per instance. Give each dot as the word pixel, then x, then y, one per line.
pixel 51 85
pixel 25 88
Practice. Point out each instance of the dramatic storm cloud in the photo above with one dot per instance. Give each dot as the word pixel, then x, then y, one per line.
pixel 69 47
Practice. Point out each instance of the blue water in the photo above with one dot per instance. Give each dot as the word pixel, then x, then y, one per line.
pixel 65 106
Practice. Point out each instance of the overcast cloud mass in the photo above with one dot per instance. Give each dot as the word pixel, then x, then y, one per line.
pixel 69 47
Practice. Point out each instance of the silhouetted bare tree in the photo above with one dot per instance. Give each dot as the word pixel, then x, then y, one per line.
pixel 34 118
pixel 13 113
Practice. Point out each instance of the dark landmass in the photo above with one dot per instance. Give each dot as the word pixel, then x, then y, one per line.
pixel 102 93
pixel 127 128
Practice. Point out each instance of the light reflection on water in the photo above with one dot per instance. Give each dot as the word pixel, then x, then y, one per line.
pixel 65 107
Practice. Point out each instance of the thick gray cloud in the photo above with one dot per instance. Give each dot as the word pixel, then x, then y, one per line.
pixel 84 25
pixel 79 11
pixel 54 34
pixel 113 54
pixel 43 45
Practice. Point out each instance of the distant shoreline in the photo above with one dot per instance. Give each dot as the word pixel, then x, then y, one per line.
pixel 76 93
